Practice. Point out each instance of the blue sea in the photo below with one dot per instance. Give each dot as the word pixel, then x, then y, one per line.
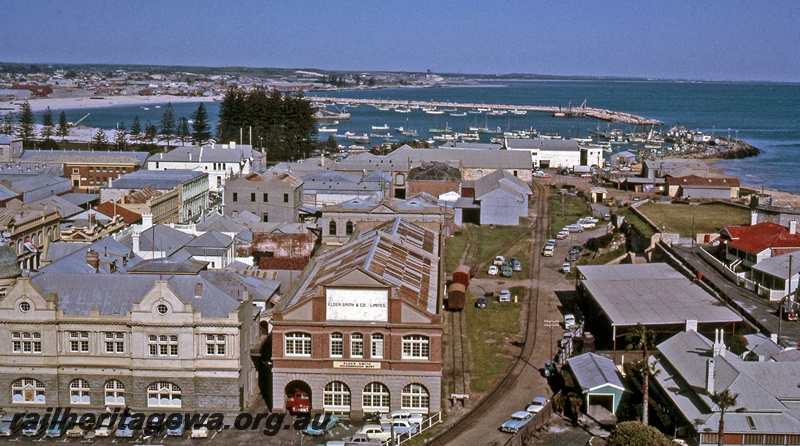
pixel 764 114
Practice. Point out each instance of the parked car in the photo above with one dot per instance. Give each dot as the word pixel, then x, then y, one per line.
pixel 517 421
pixel 57 427
pixel 313 429
pixel 606 216
pixel 538 174
pixel 506 271
pixel 562 234
pixel 105 428
pixel 125 430
pixel 481 302
pixel 416 418
pixel 516 265
pixel 537 404
pixel 586 223
pixel 356 439
pixel 548 251
pixel 576 249
pixel 8 426
pixel 401 414
pixel 591 219
pixel 493 270
pixel 499 260
pixel 574 228
pixel 505 296
pixel 401 426
pixel 566 267
pixel 374 432
pixel 788 313
pixel 176 430
pixel 36 429
pixel 552 241
pixel 199 430
pixel 78 430
pixel 550 369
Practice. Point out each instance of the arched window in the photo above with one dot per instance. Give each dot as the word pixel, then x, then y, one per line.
pixel 79 392
pixel 375 397
pixel 337 344
pixel 336 397
pixel 478 174
pixel 416 347
pixel 163 394
pixel 115 393
pixel 332 228
pixel 27 390
pixel 415 397
pixel 348 228
pixel 297 344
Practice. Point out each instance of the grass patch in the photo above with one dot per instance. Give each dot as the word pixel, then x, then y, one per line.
pixel 494 241
pixel 637 221
pixel 708 218
pixel 574 208
pixel 490 331
pixel 453 248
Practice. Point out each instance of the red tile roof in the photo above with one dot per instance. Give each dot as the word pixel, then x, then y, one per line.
pixel 697 181
pixel 757 238
pixel 128 217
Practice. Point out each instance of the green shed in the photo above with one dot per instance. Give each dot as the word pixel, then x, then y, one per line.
pixel 599 380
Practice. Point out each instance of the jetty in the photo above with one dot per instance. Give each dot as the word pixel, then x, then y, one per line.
pixel 602 114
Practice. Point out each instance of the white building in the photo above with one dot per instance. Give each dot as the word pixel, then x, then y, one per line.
pixel 219 161
pixel 557 153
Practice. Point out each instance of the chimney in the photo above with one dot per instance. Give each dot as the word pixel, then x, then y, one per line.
pixel 233 144
pixel 719 343
pixel 147 221
pixel 198 290
pixel 92 219
pixel 135 246
pixel 793 227
pixel 774 337
pixel 93 259
pixel 710 376
pixel 110 182
pixel 753 217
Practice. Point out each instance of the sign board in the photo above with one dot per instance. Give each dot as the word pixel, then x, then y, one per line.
pixel 356 365
pixel 357 305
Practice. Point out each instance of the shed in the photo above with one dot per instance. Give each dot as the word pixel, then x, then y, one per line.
pixel 456 296
pixel 598 379
pixel 598 194
pixel 462 275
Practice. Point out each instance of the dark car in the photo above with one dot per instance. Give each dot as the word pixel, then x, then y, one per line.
pixel 481 302
pixel 153 427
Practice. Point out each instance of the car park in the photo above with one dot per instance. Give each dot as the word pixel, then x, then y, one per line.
pixel 566 267
pixel 493 270
pixel 9 425
pixel 505 296
pixel 537 404
pixel 313 428
pixel 517 421
pixel 481 302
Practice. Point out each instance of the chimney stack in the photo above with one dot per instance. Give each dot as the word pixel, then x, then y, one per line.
pixel 93 259
pixel 135 246
pixel 792 227
pixel 719 343
pixel 92 219
pixel 753 217
pixel 147 221
pixel 710 376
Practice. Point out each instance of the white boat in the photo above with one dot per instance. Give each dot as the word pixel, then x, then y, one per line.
pixel 519 112
pixel 458 114
pixel 158 106
pixel 382 108
pixel 434 111
pixel 402 109
pixel 380 127
pixel 325 129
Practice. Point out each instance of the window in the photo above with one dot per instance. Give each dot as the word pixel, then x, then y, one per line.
pixel 336 397
pixel 115 342
pixel 377 346
pixel 79 392
pixel 285 198
pixel 478 174
pixel 399 179
pixel 75 170
pixel 356 345
pixel 252 197
pixel 235 197
pixel 414 396
pixel 163 394
pixel 416 347
pixel 163 345
pixel 27 391
pixel 162 309
pixel 375 398
pixel 115 393
pixel 215 345
pixel 3 292
pixel 337 344
pixel 24 307
pixel 298 344
pixel 265 217
pixel 348 228
pixel 332 228
pixel 219 181
pixel 266 197
pixel 79 341
pixel 22 342
pixel 91 169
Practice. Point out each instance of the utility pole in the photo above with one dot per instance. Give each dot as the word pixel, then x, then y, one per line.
pixel 783 301
pixel 551 324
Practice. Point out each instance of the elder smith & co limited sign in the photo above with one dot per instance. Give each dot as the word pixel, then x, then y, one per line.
pixel 357 305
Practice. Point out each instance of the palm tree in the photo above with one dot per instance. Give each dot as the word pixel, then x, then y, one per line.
pixel 724 400
pixel 644 341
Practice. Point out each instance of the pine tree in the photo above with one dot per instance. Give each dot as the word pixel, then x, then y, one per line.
pixel 47 124
pixel 63 127
pixel 183 130
pixel 100 139
pixel 202 131
pixel 150 135
pixel 136 129
pixel 167 124
pixel 232 114
pixel 120 138
pixel 26 129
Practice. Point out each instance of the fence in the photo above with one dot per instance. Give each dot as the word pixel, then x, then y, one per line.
pixel 539 421
pixel 425 425
pixel 727 272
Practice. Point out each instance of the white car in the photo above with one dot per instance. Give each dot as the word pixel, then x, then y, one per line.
pixel 199 430
pixel 574 228
pixel 586 224
pixel 566 267
pixel 493 270
pixel 105 428
pixel 537 404
pixel 505 296
pixel 499 260
pixel 562 234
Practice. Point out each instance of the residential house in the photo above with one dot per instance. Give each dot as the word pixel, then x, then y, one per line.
pixel 745 246
pixel 775 280
pixel 273 196
pixel 695 187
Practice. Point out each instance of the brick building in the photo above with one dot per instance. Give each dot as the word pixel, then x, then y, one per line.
pixel 88 170
pixel 362 330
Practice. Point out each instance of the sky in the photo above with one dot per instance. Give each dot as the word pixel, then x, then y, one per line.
pixel 705 40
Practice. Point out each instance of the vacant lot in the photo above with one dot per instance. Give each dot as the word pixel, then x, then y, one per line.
pixel 490 241
pixel 708 218
pixel 574 208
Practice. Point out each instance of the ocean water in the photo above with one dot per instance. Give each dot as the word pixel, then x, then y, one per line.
pixel 765 115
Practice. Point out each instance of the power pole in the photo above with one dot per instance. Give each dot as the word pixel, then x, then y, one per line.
pixel 551 324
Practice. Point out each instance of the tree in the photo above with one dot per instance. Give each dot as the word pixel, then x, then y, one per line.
pixel 150 134
pixel 136 129
pixel 63 127
pixel 644 341
pixel 168 124
pixel 724 401
pixel 634 433
pixel 100 139
pixel 120 138
pixel 202 131
pixel 26 123
pixel 232 114
pixel 183 130
pixel 8 124
pixel 47 124
pixel 331 145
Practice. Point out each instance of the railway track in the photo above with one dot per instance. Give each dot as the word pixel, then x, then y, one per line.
pixel 530 333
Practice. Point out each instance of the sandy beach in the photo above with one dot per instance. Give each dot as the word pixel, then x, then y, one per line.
pixel 88 102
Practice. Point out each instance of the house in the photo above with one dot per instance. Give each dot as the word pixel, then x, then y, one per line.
pixel 10 146
pixel 691 368
pixel 499 198
pixel 599 381
pixel 272 196
pixel 219 161
pixel 361 332
pixel 745 246
pixel 88 170
pixel 190 186
pixel 775 280
pixel 696 187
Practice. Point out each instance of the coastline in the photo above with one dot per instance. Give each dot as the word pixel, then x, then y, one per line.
pixel 88 102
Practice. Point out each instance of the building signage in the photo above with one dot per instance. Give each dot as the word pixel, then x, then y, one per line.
pixel 356 365
pixel 357 305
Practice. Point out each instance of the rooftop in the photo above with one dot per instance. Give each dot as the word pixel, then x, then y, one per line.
pixel 155 179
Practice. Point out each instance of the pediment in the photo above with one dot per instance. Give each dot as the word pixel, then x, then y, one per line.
pixel 356 278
